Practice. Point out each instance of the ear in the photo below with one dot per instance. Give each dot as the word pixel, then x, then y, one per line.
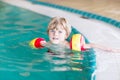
pixel 66 36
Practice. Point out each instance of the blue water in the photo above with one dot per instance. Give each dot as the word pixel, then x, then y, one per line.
pixel 18 61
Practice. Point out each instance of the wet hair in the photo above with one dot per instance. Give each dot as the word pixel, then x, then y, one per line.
pixel 55 21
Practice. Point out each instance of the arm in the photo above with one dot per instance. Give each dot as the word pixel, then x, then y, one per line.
pixel 101 47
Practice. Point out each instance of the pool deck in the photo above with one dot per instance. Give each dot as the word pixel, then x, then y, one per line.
pixel 99 32
pixel 108 8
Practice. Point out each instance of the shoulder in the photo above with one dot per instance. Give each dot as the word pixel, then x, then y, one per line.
pixel 67 44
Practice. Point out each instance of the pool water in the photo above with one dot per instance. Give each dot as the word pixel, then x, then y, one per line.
pixel 18 61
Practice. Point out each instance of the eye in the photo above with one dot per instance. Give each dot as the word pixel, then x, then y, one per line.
pixel 52 30
pixel 60 31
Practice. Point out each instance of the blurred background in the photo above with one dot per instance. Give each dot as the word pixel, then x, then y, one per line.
pixel 108 8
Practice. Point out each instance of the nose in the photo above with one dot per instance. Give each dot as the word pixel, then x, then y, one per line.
pixel 56 33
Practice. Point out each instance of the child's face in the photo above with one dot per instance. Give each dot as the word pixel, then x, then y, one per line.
pixel 57 36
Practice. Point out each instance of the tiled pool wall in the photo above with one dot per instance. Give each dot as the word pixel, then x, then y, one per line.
pixel 81 13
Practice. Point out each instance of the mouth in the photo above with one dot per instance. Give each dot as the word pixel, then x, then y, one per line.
pixel 55 38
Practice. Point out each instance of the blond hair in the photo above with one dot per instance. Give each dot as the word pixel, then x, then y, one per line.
pixel 60 21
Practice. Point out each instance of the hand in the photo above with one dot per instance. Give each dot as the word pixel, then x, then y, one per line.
pixel 112 50
pixel 43 43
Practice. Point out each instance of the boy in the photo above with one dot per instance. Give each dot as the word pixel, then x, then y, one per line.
pixel 59 30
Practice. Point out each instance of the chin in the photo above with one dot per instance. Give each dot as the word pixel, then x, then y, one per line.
pixel 55 42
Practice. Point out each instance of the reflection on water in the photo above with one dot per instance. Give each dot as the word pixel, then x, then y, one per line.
pixel 48 62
